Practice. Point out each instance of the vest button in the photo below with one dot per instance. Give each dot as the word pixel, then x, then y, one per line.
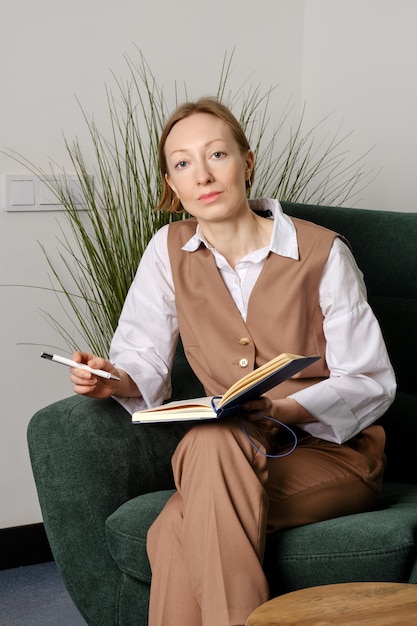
pixel 243 362
pixel 244 341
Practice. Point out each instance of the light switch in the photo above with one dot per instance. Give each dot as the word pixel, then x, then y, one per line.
pixel 25 192
pixel 22 192
pixel 46 195
pixel 74 189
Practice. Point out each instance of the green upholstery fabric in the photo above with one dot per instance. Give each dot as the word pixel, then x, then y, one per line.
pixel 87 460
pixel 366 547
pixel 126 531
pixel 101 481
pixel 370 545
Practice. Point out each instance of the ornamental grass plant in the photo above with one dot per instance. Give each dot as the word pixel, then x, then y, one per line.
pixel 109 211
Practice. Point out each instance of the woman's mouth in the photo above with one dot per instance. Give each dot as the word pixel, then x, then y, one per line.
pixel 209 197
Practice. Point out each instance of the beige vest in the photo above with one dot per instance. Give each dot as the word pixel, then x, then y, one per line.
pixel 284 314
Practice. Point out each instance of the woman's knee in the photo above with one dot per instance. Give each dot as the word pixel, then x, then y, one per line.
pixel 217 451
pixel 164 525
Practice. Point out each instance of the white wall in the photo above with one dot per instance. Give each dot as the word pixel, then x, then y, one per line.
pixel 50 52
pixel 354 57
pixel 360 61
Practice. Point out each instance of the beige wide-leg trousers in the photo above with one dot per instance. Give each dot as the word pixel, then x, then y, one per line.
pixel 206 547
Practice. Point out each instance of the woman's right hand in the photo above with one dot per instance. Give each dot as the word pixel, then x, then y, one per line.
pixel 88 384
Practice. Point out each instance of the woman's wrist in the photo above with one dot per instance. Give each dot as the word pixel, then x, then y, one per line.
pixel 126 387
pixel 289 411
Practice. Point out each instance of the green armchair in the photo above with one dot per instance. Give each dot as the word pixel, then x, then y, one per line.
pixel 101 481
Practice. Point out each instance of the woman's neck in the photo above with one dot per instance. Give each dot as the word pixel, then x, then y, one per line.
pixel 235 239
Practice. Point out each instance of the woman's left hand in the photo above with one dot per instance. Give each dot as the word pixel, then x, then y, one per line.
pixel 285 410
pixel 258 410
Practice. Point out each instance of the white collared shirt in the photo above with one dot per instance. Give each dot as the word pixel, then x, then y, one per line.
pixel 361 385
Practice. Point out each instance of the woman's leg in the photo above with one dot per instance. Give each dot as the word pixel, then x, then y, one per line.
pixel 207 545
pixel 322 480
pixel 172 597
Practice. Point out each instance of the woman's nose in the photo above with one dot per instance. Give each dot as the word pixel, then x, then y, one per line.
pixel 204 175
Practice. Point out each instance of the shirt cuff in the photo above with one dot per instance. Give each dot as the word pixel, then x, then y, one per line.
pixel 335 421
pixel 131 404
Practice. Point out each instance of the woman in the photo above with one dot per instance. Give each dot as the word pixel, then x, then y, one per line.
pixel 242 283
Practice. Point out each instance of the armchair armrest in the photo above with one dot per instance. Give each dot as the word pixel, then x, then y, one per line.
pixel 89 459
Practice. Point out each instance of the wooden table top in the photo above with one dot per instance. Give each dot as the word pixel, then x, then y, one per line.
pixel 347 604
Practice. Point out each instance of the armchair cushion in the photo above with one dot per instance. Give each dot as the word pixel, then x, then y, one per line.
pixel 379 545
pixel 126 531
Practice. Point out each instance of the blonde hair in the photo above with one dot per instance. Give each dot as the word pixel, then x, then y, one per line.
pixel 169 201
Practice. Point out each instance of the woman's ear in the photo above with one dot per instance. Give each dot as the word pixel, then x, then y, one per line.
pixel 169 183
pixel 250 162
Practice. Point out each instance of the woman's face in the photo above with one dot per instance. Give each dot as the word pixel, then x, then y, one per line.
pixel 206 168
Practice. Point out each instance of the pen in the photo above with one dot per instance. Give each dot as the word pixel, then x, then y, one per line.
pixel 80 366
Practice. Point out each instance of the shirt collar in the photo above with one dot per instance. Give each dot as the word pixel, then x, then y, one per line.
pixel 284 236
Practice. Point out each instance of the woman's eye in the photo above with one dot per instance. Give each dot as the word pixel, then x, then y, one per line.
pixel 218 154
pixel 181 164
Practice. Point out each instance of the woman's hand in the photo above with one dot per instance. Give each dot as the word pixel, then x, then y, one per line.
pixel 286 410
pixel 88 384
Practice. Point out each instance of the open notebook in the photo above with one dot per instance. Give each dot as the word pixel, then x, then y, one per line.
pixel 250 387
